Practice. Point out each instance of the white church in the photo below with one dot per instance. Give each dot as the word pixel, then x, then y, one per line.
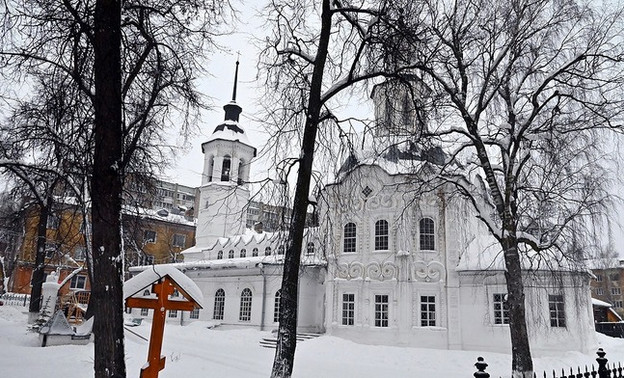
pixel 382 267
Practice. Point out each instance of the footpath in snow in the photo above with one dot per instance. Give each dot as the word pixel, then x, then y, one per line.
pixel 196 351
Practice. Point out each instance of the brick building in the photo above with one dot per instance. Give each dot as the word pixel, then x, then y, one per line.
pixel 608 284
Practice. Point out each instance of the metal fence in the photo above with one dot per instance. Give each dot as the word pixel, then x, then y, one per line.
pixel 605 370
pixel 15 299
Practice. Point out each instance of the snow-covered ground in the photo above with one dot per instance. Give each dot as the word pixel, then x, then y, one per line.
pixel 196 351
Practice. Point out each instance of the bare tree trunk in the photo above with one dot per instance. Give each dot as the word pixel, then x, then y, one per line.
pixel 106 190
pixel 522 363
pixel 40 254
pixel 287 332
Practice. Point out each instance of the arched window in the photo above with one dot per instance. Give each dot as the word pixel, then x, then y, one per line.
pixel 267 251
pixel 219 255
pixel 280 250
pixel 243 252
pixel 211 168
pixel 146 293
pixel 225 168
pixel 427 234
pixel 276 307
pixel 381 235
pixel 219 305
pixel 240 173
pixel 231 254
pixel 349 238
pixel 310 249
pixel 254 252
pixel 245 306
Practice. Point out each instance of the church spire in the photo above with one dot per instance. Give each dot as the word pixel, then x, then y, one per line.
pixel 232 110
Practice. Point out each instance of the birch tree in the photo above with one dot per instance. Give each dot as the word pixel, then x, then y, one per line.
pixel 317 52
pixel 522 97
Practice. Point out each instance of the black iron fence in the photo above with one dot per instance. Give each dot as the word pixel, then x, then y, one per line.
pixel 605 370
pixel 15 299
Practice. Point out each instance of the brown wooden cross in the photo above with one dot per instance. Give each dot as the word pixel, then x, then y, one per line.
pixel 163 289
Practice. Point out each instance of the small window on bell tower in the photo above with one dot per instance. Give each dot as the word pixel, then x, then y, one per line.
pixel 225 170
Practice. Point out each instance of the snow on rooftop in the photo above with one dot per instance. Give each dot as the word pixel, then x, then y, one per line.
pixel 599 303
pixel 154 273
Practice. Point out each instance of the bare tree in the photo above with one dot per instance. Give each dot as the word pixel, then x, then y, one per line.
pixel 317 52
pixel 521 97
pixel 135 64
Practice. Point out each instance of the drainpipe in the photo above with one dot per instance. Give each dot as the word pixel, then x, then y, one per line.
pixel 263 296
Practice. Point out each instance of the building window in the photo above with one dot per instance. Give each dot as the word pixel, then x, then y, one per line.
pixel 146 293
pixel 219 255
pixel 348 309
pixel 225 168
pixel 267 251
pixel 78 282
pixel 310 249
pixel 194 314
pixel 349 238
pixel 381 310
pixel 501 309
pixel 557 311
pixel 616 291
pixel 599 291
pixel 243 253
pixel 254 252
pixel 381 235
pixel 427 311
pixel 231 254
pixel 617 304
pixel 149 236
pixel 144 311
pixel 148 259
pixel 80 253
pixel 179 240
pixel 276 305
pixel 53 221
pixel 219 305
pixel 245 306
pixel 427 234
pixel 280 250
pixel 173 313
pixel 599 277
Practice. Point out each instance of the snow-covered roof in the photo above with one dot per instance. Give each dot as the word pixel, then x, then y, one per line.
pixel 485 253
pixel 153 214
pixel 599 303
pixel 154 273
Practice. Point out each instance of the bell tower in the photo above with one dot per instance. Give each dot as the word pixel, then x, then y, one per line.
pixel 224 192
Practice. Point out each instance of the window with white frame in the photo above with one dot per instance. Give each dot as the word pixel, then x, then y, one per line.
pixel 348 309
pixel 245 306
pixel 80 253
pixel 616 291
pixel 276 305
pixel 349 238
pixel 243 252
pixel 53 222
pixel 78 282
pixel 501 309
pixel 381 235
pixel 617 304
pixel 149 236
pixel 310 249
pixel 280 250
pixel 599 277
pixel 219 255
pixel 173 313
pixel 381 310
pixel 231 254
pixel 144 311
pixel 427 234
pixel 225 168
pixel 427 311
pixel 254 252
pixel 194 314
pixel 179 240
pixel 267 251
pixel 557 311
pixel 599 291
pixel 219 305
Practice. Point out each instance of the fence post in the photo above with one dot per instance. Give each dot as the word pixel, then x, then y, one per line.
pixel 603 372
pixel 481 365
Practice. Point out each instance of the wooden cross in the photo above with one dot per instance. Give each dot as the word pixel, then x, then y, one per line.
pixel 163 289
